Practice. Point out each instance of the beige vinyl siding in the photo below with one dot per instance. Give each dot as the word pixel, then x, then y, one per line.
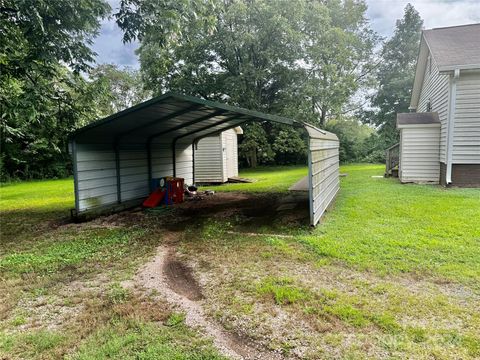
pixel 466 135
pixel 224 156
pixel 435 89
pixel 419 153
pixel 184 162
pixel 216 157
pixel 208 160
pixel 233 168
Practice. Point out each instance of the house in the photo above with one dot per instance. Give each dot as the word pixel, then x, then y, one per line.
pixel 216 157
pixel 440 137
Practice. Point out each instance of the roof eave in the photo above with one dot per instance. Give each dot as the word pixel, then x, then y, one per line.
pixel 420 68
pixel 450 68
pixel 433 125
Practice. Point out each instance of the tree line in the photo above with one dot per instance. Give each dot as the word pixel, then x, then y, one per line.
pixel 316 61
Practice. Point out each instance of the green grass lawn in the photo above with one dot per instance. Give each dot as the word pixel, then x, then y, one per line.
pixel 266 179
pixel 381 225
pixel 37 196
pixel 392 271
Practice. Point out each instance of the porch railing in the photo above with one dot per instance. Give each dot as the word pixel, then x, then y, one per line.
pixel 392 157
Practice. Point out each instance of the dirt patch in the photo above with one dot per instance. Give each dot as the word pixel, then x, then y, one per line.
pixel 249 211
pixel 180 279
pixel 174 281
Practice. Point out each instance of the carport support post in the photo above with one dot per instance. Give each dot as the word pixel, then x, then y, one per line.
pixel 193 162
pixel 149 164
pixel 117 170
pixel 75 174
pixel 174 158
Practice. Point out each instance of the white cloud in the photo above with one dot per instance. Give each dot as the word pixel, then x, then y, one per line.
pixel 111 49
pixel 435 13
pixel 109 45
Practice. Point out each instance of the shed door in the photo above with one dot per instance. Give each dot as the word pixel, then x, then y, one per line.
pixel 231 154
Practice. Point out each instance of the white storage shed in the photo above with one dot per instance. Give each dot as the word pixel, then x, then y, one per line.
pixel 216 157
pixel 419 147
pixel 116 158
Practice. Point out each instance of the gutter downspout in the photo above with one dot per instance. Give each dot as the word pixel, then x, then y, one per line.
pixel 451 124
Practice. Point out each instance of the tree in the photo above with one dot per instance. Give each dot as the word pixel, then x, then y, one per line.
pixel 289 147
pixel 35 133
pixel 395 75
pixel 163 19
pixel 336 51
pixel 264 55
pixel 255 147
pixel 44 47
pixel 356 139
pixel 304 59
pixel 122 88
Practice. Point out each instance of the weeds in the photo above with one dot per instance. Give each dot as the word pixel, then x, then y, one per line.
pixel 282 290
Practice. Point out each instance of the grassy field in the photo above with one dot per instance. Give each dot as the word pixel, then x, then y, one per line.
pixel 392 272
pixel 266 179
pixel 390 228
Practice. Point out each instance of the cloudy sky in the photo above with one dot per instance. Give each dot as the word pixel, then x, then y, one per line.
pixel 382 15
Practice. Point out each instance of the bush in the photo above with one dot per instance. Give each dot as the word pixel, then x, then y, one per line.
pixel 357 140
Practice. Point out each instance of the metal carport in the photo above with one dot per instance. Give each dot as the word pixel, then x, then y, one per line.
pixel 115 158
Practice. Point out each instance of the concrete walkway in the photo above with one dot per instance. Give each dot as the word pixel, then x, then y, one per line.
pixel 300 185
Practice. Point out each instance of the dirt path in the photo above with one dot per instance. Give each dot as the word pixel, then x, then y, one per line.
pixel 174 281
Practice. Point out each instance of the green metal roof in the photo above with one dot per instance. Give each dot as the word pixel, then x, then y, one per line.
pixel 171 116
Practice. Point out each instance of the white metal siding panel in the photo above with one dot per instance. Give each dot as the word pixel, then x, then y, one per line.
pixel 208 160
pixel 323 166
pixel 96 175
pixel 420 154
pixel 162 164
pixel 134 182
pixel 466 135
pixel 162 160
pixel 435 89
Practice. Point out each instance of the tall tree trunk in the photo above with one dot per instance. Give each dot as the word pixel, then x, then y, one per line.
pixel 322 118
pixel 253 157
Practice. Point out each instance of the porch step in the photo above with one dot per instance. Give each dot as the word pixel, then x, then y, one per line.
pixel 392 173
